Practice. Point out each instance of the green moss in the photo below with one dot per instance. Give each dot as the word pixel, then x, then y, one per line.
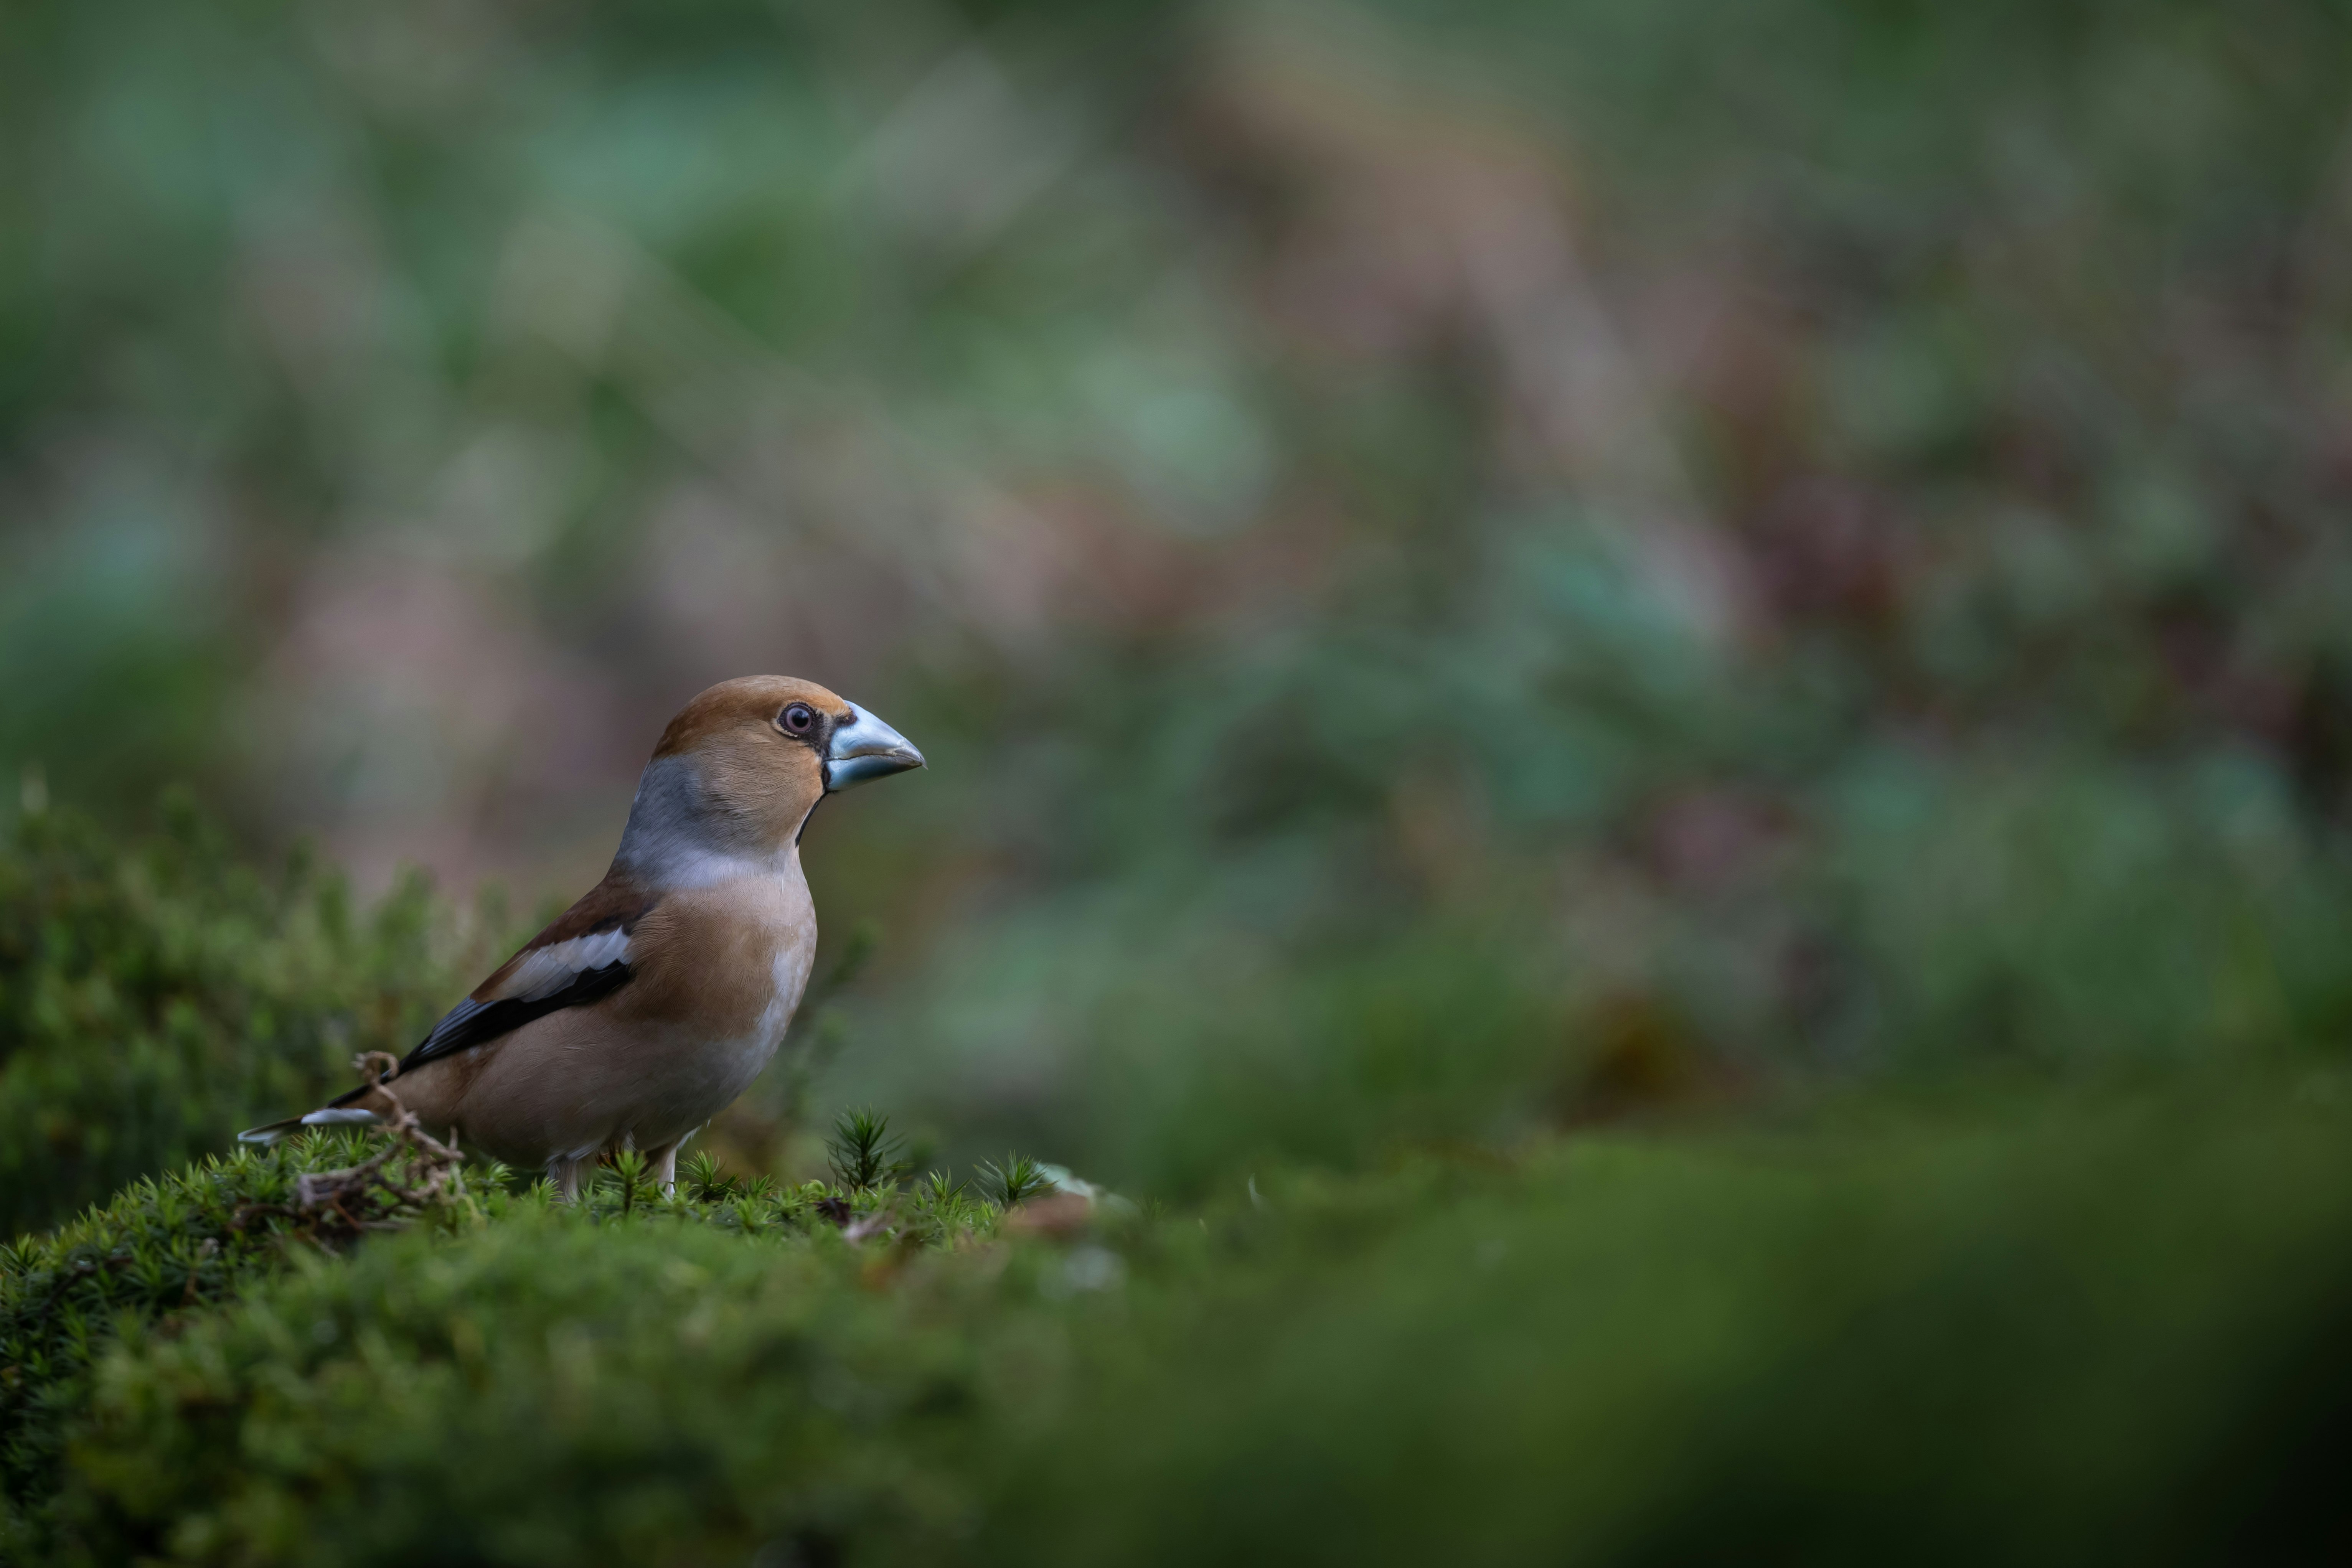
pixel 151 1261
pixel 2050 1332
pixel 548 1390
pixel 2024 1332
pixel 162 1246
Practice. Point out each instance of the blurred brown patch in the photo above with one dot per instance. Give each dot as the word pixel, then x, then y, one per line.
pixel 1826 550
pixel 1637 1058
pixel 1709 838
pixel 1057 1215
pixel 744 1137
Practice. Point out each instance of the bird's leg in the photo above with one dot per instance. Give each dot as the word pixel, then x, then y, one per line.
pixel 663 1162
pixel 565 1174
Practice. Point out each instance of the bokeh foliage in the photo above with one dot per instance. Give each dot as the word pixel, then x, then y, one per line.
pixel 1752 539
pixel 1465 572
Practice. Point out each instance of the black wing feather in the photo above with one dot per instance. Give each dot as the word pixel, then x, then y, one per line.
pixel 472 1023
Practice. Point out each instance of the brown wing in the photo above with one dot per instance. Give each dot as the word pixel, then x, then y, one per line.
pixel 579 958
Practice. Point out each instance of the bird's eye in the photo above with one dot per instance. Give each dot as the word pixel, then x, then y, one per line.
pixel 798 719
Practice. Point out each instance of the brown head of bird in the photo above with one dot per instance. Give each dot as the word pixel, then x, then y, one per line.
pixel 741 767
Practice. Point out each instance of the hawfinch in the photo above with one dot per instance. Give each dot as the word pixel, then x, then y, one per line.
pixel 656 999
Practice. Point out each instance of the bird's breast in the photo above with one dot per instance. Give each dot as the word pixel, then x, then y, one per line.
pixel 726 964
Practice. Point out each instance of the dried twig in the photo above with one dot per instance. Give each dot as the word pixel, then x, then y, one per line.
pixel 430 1179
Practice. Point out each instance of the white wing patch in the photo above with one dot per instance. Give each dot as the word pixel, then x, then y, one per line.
pixel 559 964
pixel 342 1116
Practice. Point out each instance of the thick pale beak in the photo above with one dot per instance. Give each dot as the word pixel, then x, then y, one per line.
pixel 865 747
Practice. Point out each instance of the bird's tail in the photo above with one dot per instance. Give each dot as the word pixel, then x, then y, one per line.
pixel 337 1112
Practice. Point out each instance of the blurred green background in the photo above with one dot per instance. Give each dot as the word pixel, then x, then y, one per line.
pixel 1462 570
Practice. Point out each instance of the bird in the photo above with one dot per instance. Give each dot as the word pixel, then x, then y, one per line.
pixel 649 1005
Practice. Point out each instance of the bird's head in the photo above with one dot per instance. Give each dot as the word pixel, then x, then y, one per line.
pixel 742 766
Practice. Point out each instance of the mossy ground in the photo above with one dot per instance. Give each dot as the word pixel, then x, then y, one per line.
pixel 2025 1331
